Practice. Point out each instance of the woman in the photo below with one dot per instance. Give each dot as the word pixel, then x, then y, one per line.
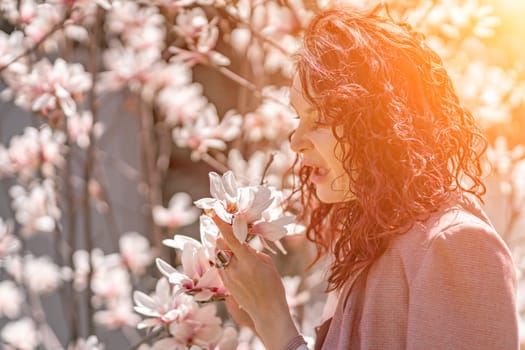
pixel 390 183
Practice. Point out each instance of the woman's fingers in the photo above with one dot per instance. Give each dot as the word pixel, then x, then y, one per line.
pixel 227 232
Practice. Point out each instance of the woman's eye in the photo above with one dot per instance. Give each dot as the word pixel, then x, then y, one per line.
pixel 320 124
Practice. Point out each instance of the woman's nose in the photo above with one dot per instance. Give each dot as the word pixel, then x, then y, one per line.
pixel 299 142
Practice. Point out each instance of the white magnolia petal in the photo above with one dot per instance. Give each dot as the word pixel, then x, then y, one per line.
pixel 149 322
pixel 142 299
pixel 165 268
pixel 179 241
pixel 279 246
pixel 230 183
pixel 178 278
pixel 223 213
pixel 180 200
pixel 216 187
pixel 209 233
pixel 145 311
pixel 240 228
pixel 284 220
pixel 189 261
pixel 206 203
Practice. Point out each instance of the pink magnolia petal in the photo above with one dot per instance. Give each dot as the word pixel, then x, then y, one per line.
pixel 269 230
pixel 240 228
pixel 210 279
pixel 204 295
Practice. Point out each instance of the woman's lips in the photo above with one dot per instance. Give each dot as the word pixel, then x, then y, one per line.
pixel 319 175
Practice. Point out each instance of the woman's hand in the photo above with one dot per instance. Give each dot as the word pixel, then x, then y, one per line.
pixel 256 286
pixel 238 314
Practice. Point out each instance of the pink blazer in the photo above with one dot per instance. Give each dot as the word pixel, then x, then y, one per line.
pixel 449 283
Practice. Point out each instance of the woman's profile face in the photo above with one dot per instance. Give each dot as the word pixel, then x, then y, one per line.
pixel 316 144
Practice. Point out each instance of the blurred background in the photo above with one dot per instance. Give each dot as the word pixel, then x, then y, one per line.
pixel 114 112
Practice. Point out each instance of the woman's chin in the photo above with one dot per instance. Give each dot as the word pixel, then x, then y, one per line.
pixel 330 196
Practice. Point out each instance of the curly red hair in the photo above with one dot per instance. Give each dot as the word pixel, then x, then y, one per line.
pixel 407 140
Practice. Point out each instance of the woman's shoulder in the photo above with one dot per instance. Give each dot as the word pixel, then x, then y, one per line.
pixel 459 231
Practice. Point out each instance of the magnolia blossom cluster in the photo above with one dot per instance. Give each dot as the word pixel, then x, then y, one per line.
pixel 38 18
pixel 254 212
pixel 111 277
pixel 52 90
pixel 453 20
pixel 179 212
pixel 508 164
pixel 36 207
pixel 278 24
pixel 251 210
pixel 188 323
pixel 36 150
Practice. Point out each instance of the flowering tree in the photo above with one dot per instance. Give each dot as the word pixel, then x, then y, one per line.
pixel 169 64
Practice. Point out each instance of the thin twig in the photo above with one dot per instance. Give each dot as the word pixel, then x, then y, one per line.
pixel 257 34
pixel 245 83
pixel 147 338
pixel 214 163
pixel 90 159
pixel 267 166
pixel 150 174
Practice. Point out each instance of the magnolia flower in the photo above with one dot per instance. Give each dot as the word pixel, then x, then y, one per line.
pixel 251 170
pixel 35 208
pixel 11 45
pixel 80 126
pixel 135 251
pixel 36 149
pixel 175 76
pixel 119 313
pixel 11 299
pixel 187 322
pixel 81 268
pixel 201 37
pixel 127 66
pixel 160 306
pixel 244 208
pixel 105 4
pixel 273 119
pixel 141 27
pixel 42 275
pixel 91 343
pixel 20 335
pixel 9 244
pixel 199 276
pixel 207 131
pixel 179 212
pixel 182 103
pixel 22 12
pixel 82 262
pixel 52 88
pixel 192 325
pixel 109 284
pixel 485 90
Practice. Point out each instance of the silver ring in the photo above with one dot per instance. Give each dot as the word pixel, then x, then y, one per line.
pixel 223 258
